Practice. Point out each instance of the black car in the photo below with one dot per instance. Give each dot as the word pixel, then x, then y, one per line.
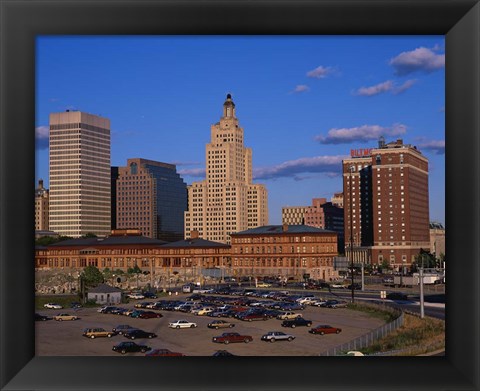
pixel 222 353
pixel 130 347
pixel 397 296
pixel 132 334
pixel 296 322
pixel 149 295
pixel 39 317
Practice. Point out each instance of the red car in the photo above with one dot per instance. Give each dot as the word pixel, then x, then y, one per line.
pixel 250 317
pixel 150 314
pixel 325 329
pixel 163 353
pixel 232 337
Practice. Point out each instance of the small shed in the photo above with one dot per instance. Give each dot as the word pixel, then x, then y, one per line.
pixel 105 294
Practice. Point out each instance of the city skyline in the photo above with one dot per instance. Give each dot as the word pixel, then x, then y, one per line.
pixel 304 102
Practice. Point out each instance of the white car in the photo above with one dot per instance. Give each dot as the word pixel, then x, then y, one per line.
pixel 336 285
pixel 136 296
pixel 306 300
pixel 182 324
pixel 53 306
pixel 318 302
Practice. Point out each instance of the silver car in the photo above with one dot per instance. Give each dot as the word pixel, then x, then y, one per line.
pixel 273 336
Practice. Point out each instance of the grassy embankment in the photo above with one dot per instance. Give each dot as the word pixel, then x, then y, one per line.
pixel 416 336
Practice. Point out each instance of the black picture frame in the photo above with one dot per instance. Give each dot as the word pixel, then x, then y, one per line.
pixel 22 21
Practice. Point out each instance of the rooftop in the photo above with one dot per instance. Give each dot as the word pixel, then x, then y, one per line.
pixel 278 229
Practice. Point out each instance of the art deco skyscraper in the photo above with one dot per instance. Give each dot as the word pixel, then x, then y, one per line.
pixel 226 201
pixel 79 174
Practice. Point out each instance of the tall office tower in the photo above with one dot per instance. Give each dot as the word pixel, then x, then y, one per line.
pixel 41 207
pixel 226 201
pixel 79 174
pixel 386 203
pixel 151 197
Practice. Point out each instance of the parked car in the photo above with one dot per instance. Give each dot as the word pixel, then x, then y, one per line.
pixel 222 353
pixel 325 329
pixel 397 296
pixel 217 324
pixel 149 295
pixel 97 332
pixel 181 324
pixel 163 353
pixel 227 338
pixel 130 347
pixel 137 333
pixel 334 304
pixel 61 317
pixel 273 336
pixel 53 306
pixel 203 311
pixel 75 305
pixel 39 317
pixel 289 315
pixel 150 314
pixel 106 309
pixel 338 286
pixel 122 328
pixel 142 304
pixel 248 317
pixel 136 296
pixel 296 322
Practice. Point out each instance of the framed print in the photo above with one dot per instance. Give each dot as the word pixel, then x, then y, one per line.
pixel 25 23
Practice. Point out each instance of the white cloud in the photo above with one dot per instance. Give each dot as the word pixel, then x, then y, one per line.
pixel 301 88
pixel 193 172
pixel 293 168
pixel 320 72
pixel 436 146
pixel 386 86
pixel 376 89
pixel 41 137
pixel 419 60
pixel 360 133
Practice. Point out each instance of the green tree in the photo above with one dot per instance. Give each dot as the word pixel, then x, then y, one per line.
pixel 91 276
pixel 424 258
pixel 134 270
pixel 89 235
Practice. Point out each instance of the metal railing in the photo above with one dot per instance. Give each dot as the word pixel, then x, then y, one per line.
pixel 367 339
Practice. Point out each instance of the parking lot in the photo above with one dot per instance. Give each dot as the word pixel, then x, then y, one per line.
pixel 54 338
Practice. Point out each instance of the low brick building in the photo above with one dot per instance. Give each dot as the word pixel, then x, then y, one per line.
pixel 285 251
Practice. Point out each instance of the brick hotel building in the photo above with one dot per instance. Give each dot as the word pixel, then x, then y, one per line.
pixel 386 204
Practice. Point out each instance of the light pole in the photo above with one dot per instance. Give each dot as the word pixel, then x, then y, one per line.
pixel 352 167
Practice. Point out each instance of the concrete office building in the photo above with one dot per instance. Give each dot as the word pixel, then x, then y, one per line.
pixel 437 239
pixel 150 196
pixel 79 174
pixel 226 201
pixel 386 204
pixel 293 215
pixel 321 214
pixel 41 207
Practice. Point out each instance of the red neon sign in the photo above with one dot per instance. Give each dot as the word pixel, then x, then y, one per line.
pixel 362 152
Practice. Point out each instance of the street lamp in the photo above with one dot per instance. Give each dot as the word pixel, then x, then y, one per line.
pixel 352 167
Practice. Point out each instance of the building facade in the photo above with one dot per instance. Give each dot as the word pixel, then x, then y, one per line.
pixel 321 214
pixel 226 201
pixel 386 203
pixel 286 251
pixel 41 207
pixel 337 200
pixel 79 174
pixel 437 239
pixel 152 197
pixel 293 215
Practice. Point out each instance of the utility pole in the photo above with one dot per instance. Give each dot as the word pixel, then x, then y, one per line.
pixel 422 309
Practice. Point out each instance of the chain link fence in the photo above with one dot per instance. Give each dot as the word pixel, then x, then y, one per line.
pixel 367 339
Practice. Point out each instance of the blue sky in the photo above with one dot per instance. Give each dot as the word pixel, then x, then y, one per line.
pixel 303 101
